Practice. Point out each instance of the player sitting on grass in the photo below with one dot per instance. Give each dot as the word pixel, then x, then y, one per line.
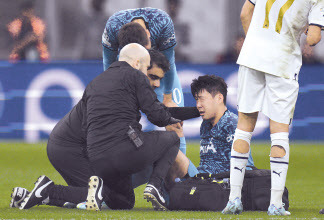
pixel 218 126
pixel 216 131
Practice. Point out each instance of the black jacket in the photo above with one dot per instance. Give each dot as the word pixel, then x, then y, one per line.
pixel 112 102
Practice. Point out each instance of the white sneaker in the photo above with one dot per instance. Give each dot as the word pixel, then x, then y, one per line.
pixel 273 210
pixel 233 207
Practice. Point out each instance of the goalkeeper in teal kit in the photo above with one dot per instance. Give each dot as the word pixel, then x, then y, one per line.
pixel 152 28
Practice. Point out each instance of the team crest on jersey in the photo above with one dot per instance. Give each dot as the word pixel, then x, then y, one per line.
pixel 205 148
pixel 105 38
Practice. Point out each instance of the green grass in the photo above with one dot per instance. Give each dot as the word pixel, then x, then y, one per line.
pixel 21 164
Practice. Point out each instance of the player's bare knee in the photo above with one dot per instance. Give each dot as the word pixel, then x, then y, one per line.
pixel 242 140
pixel 241 146
pixel 279 147
pixel 277 151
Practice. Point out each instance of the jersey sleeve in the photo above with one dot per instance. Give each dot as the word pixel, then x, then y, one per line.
pixel 167 38
pixel 109 36
pixel 253 1
pixel 316 15
pixel 110 42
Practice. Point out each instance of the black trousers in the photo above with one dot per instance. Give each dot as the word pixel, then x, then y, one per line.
pixel 71 161
pixel 115 166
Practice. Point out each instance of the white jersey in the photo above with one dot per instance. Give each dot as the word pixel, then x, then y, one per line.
pixel 272 44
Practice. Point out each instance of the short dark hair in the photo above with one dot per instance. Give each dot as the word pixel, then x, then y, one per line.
pixel 132 33
pixel 211 83
pixel 159 60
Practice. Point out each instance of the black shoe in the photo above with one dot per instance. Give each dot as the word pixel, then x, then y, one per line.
pixel 17 196
pixel 155 196
pixel 36 197
pixel 94 198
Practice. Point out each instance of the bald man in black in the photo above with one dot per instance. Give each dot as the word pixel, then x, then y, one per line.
pixel 107 112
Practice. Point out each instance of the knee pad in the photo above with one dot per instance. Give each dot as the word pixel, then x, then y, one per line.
pixel 280 139
pixel 243 135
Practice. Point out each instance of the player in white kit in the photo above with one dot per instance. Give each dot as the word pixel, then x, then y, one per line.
pixel 270 61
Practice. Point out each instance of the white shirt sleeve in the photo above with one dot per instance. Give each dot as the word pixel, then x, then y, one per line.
pixel 316 15
pixel 253 1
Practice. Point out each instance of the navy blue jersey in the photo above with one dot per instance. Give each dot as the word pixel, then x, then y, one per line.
pixel 216 143
pixel 159 24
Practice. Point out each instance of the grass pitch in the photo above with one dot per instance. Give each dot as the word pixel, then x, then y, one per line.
pixel 21 164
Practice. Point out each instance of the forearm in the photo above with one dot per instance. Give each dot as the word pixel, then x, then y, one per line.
pixel 167 98
pixel 184 113
pixel 313 35
pixel 246 23
pixel 158 114
pixel 246 15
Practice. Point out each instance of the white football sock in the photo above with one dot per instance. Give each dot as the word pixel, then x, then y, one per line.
pixel 279 168
pixel 238 165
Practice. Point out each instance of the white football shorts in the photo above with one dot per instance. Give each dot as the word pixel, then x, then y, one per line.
pixel 262 92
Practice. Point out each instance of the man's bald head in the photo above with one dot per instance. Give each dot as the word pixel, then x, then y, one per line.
pixel 136 56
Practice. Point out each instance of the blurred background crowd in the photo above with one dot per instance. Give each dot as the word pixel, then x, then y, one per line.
pixel 207 31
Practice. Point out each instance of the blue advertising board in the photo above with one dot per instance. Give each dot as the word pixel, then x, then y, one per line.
pixel 34 96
